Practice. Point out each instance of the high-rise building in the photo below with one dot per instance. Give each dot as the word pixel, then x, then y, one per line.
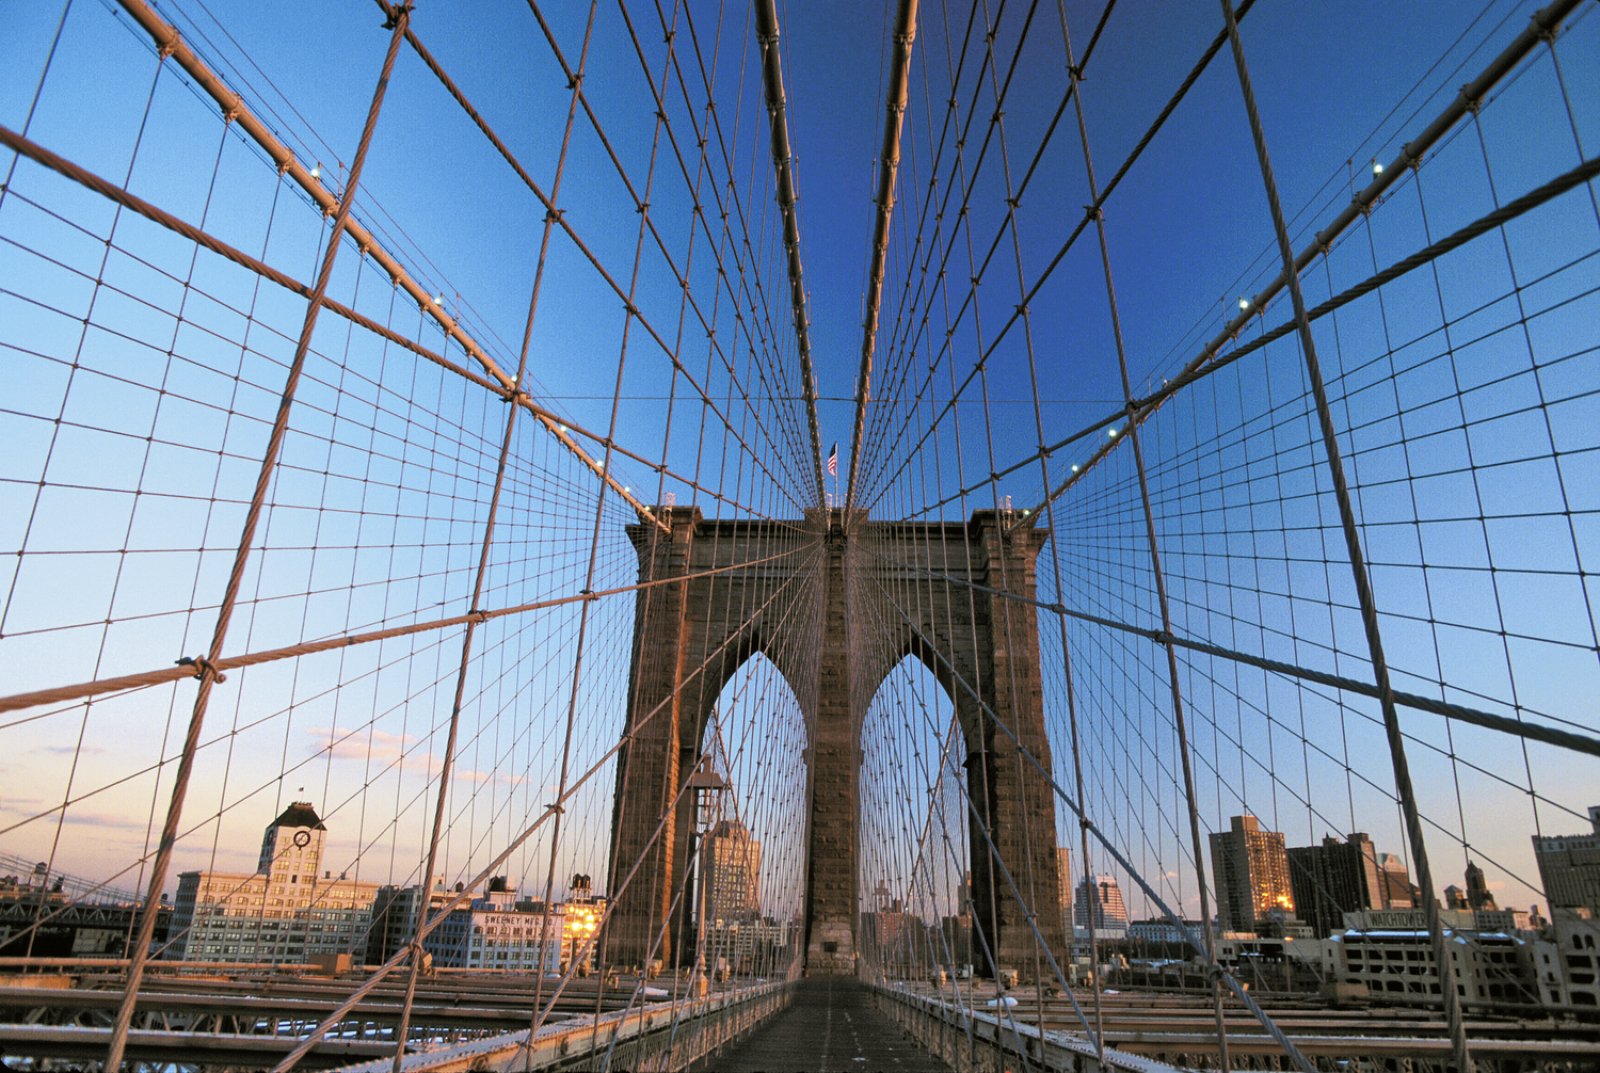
pixel 732 873
pixel 1101 902
pixel 287 912
pixel 1333 879
pixel 1251 872
pixel 957 927
pixel 887 930
pixel 1569 865
pixel 1398 890
pixel 395 913
pixel 1478 896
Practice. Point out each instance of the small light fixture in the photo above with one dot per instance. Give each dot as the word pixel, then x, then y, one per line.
pixel 1111 433
pixel 1074 467
pixel 1244 303
pixel 1377 166
pixel 438 299
pixel 316 170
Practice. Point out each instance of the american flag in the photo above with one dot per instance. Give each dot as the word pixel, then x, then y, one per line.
pixel 833 461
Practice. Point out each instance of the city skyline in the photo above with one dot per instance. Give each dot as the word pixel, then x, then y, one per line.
pixel 1573 859
pixel 424 447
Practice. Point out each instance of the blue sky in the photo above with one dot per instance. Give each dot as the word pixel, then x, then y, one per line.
pixel 1471 446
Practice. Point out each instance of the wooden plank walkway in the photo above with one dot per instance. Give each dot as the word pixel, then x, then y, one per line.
pixel 830 1027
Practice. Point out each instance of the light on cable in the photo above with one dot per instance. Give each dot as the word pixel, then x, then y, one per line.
pixel 1244 303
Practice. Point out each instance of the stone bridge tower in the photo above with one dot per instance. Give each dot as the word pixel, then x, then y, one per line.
pixel 820 599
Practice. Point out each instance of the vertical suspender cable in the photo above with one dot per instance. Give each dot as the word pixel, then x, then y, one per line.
pixel 1358 568
pixel 527 339
pixel 477 590
pixel 1179 718
pixel 138 954
pixel 1542 24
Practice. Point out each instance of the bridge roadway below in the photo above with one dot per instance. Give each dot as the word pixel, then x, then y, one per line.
pixel 831 1026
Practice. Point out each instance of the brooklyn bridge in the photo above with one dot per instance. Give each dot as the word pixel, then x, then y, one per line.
pixel 673 534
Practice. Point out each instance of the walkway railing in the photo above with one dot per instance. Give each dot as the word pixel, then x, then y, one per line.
pixel 659 1035
pixel 969 1038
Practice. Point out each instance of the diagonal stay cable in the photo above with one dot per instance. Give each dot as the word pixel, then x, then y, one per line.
pixel 167 38
pixel 1060 255
pixel 1460 712
pixel 759 314
pixel 441 910
pixel 1227 978
pixel 1144 406
pixel 752 287
pixel 562 428
pixel 559 216
pixel 767 389
pixel 642 206
pixel 1542 25
pixel 186 668
pixel 984 824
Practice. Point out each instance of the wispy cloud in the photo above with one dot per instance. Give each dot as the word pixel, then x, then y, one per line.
pixel 499 778
pixel 74 750
pixel 110 821
pixel 364 744
pixel 404 751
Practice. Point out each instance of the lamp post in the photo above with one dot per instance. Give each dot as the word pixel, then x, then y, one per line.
pixel 578 926
pixel 705 783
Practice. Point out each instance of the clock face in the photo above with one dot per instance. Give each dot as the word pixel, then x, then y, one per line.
pixel 302 838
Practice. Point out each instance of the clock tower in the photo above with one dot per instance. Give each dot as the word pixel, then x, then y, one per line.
pixel 291 848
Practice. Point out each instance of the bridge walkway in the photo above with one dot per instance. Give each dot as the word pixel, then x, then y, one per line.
pixel 831 1027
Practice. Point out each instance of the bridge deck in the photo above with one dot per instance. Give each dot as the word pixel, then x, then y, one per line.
pixel 830 1027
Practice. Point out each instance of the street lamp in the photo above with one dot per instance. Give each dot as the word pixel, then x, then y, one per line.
pixel 703 783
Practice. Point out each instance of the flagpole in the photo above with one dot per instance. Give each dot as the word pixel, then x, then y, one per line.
pixel 833 471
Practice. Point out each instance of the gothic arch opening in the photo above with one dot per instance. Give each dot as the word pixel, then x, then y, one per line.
pixel 913 889
pixel 745 877
pixel 837 634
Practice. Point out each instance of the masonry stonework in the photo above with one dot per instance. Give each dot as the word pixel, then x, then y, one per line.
pixel 817 598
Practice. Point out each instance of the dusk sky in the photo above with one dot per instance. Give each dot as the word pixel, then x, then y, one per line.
pixel 1466 393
